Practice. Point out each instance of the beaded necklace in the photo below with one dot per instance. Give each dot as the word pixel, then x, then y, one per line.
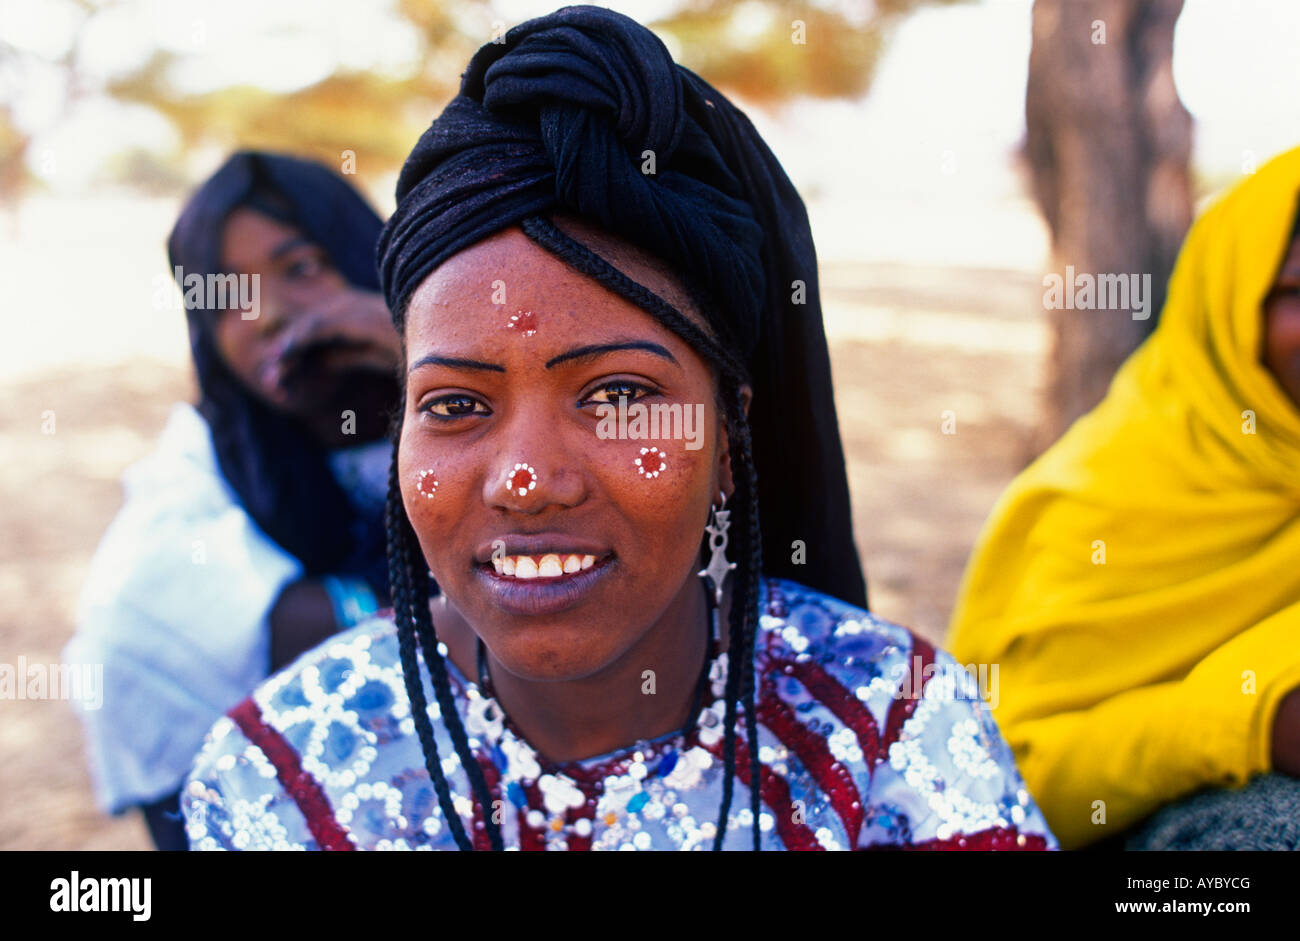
pixel 615 785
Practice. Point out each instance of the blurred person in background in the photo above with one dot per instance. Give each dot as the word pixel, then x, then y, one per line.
pixel 1138 584
pixel 255 528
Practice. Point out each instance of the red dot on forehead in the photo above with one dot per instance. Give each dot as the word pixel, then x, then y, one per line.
pixel 525 321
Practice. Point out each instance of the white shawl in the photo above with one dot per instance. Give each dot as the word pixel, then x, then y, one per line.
pixel 176 610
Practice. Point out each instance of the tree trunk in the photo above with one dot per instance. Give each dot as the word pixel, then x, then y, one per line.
pixel 1108 146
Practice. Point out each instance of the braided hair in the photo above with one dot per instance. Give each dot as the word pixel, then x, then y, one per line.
pixel 410 586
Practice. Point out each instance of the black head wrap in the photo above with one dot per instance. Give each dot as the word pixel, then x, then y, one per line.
pixel 565 114
pixel 278 470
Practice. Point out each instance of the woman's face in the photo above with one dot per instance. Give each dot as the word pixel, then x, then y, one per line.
pixel 1282 325
pixel 315 346
pixel 510 353
pixel 294 275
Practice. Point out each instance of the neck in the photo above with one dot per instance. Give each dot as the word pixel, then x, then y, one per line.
pixel 648 692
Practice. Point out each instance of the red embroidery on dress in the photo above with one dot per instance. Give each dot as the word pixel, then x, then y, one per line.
pixel 901 709
pixel 298 784
pixel 838 785
pixel 835 780
pixel 843 705
pixel 776 794
pixel 576 841
pixel 533 838
pixel 492 778
pixel 995 838
pixel 530 838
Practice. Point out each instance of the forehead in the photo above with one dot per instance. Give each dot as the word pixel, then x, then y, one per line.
pixel 479 289
pixel 251 236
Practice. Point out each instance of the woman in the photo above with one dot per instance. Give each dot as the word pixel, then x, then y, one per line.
pixel 573 684
pixel 254 530
pixel 1138 583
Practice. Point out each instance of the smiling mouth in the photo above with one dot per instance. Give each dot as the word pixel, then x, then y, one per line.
pixel 544 584
pixel 544 566
pixel 547 565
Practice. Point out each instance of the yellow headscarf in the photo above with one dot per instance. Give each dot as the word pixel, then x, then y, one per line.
pixel 1139 584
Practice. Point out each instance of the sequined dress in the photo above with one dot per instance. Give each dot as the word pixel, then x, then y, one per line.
pixel 869 738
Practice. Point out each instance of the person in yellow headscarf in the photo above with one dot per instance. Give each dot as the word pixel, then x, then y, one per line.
pixel 1139 583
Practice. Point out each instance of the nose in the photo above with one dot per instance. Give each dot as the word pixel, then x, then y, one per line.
pixel 272 317
pixel 531 485
pixel 534 473
pixel 276 308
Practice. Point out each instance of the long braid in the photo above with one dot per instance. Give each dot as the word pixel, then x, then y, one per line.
pixel 399 577
pixel 735 652
pixel 447 703
pixel 754 573
pixel 742 620
pixel 742 617
pixel 415 625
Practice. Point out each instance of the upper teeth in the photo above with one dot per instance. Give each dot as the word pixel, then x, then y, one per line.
pixel 543 566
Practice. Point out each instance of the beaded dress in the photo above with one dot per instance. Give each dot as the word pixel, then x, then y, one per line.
pixel 869 738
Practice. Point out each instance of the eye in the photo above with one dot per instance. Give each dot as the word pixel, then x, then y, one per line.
pixel 305 265
pixel 615 389
pixel 457 405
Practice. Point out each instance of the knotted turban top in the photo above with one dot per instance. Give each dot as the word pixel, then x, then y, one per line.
pixel 584 111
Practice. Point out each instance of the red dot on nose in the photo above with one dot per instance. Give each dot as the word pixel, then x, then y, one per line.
pixel 520 479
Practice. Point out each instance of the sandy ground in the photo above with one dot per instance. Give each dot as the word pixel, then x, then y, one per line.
pixel 907 345
pixel 59 493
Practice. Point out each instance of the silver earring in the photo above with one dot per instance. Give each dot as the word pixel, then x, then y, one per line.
pixel 718 567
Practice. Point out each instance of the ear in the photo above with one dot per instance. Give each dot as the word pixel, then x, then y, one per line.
pixel 726 483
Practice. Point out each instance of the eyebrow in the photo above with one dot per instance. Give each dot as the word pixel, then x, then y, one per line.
pixel 588 353
pixel 582 353
pixel 455 362
pixel 289 244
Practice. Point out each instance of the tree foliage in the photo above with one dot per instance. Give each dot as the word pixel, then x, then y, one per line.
pixel 763 52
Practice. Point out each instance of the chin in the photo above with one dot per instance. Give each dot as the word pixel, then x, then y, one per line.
pixel 554 655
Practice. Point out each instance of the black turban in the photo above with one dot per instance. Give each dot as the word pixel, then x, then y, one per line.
pixel 570 113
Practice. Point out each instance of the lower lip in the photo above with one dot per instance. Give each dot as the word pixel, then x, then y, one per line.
pixel 534 597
